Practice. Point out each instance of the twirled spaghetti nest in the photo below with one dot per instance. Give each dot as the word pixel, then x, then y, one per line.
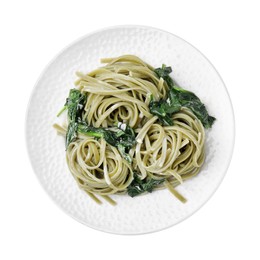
pixel 121 92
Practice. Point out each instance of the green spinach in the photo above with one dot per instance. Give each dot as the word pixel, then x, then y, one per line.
pixel 75 105
pixel 123 140
pixel 191 101
pixel 177 98
pixel 139 186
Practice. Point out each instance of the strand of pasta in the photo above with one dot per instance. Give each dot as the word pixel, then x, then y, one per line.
pixel 121 92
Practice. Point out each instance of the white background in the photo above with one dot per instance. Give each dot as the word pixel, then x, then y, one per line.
pixel 32 33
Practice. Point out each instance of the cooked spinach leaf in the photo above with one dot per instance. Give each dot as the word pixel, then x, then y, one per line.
pixel 139 186
pixel 164 108
pixel 75 105
pixel 191 101
pixel 164 72
pixel 123 140
pixel 177 98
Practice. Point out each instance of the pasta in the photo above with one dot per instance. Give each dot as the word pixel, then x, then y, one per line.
pixel 123 136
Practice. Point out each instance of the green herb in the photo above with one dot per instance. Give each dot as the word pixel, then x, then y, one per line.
pixel 75 105
pixel 163 110
pixel 109 136
pixel 191 101
pixel 164 72
pixel 123 140
pixel 139 186
pixel 177 98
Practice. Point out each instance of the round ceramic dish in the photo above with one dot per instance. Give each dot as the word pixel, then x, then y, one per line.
pixel 150 212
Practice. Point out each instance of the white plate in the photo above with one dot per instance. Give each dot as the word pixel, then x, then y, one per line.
pixel 151 212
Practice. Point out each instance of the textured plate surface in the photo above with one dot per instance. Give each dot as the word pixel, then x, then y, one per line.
pixel 159 209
